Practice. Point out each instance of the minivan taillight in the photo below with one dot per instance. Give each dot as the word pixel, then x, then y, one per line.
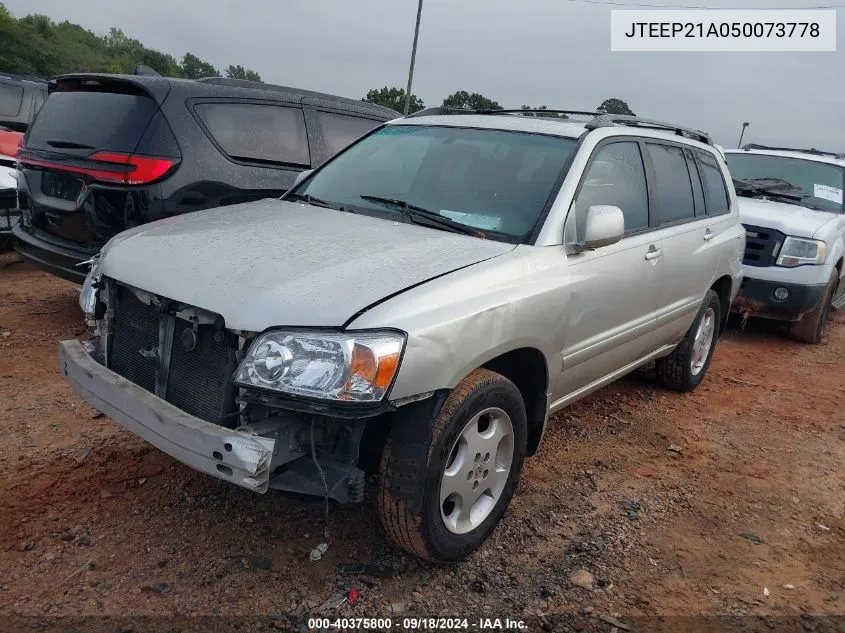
pixel 144 169
pixel 129 169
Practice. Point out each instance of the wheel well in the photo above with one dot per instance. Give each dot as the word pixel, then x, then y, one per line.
pixel 526 368
pixel 839 265
pixel 722 287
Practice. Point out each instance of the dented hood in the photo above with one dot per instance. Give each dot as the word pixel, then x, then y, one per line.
pixel 789 219
pixel 272 263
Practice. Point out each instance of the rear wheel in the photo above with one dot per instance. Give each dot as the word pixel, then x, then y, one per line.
pixel 686 366
pixel 441 498
pixel 811 327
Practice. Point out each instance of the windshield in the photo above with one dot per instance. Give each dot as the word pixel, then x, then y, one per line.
pixel 494 181
pixel 818 185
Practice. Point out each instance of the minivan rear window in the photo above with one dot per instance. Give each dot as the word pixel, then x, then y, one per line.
pixel 99 120
pixel 10 99
pixel 253 132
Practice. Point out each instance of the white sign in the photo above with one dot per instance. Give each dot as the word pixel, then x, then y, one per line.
pixel 827 193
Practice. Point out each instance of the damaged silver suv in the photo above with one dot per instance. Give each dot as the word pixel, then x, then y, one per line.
pixel 417 307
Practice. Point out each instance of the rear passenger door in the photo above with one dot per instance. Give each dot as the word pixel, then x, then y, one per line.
pixel 687 231
pixel 330 130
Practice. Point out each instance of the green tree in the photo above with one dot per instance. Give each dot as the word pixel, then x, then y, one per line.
pixel 464 100
pixel 615 106
pixel 550 115
pixel 194 68
pixel 239 72
pixel 393 98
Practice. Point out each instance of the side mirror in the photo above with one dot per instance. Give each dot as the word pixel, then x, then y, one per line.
pixel 605 226
pixel 302 176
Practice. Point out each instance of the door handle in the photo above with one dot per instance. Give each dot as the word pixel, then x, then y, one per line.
pixel 653 253
pixel 708 235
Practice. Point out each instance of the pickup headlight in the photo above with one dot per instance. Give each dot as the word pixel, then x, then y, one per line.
pixel 797 251
pixel 339 366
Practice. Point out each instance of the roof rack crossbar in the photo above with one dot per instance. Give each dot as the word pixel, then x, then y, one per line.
pixel 614 120
pixel 812 150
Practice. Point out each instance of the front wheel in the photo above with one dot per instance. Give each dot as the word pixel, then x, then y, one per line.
pixel 811 327
pixel 686 366
pixel 441 498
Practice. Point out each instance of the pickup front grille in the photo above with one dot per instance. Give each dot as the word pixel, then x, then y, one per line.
pixel 762 246
pixel 202 359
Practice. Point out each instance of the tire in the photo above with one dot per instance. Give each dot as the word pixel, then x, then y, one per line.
pixel 811 327
pixel 685 368
pixel 414 464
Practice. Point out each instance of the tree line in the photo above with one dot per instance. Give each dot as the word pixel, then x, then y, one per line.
pixel 36 45
pixel 394 98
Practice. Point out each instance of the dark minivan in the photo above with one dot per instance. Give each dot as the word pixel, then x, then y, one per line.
pixel 21 96
pixel 109 152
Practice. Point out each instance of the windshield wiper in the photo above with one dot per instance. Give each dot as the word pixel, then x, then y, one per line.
pixel 770 188
pixel 426 217
pixel 317 202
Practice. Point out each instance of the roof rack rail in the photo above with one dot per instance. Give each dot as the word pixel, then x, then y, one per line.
pixel 614 120
pixel 20 77
pixel 812 150
pixel 438 110
pixel 599 120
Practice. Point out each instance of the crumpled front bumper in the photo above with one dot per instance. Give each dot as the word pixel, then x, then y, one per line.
pixel 237 457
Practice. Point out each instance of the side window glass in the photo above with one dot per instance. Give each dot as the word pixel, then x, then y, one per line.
pixel 615 176
pixel 339 130
pixel 714 185
pixel 697 190
pixel 673 191
pixel 257 133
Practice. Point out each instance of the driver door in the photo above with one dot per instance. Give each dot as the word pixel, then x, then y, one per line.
pixel 609 323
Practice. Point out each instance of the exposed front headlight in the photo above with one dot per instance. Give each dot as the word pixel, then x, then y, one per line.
pixel 340 366
pixel 797 251
pixel 88 294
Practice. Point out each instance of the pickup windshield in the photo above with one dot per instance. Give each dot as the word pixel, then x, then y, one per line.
pixel 495 182
pixel 794 180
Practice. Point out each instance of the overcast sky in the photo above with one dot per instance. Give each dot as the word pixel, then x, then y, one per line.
pixel 553 52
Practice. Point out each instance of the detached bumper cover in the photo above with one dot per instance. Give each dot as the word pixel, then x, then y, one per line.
pixel 757 298
pixel 227 454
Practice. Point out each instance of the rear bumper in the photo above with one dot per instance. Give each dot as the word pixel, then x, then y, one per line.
pixel 224 453
pixel 757 298
pixel 59 260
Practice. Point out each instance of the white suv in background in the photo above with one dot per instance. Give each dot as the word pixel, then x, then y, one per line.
pixel 791 204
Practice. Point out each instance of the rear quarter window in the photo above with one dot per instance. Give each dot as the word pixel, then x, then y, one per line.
pixel 100 120
pixel 11 97
pixel 715 189
pixel 250 132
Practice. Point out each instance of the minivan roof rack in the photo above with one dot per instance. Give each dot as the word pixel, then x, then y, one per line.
pixel 599 120
pixel 19 77
pixel 812 150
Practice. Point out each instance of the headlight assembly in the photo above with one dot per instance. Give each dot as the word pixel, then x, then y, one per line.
pixel 797 251
pixel 337 366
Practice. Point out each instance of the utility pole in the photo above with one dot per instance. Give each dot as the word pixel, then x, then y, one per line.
pixel 741 134
pixel 413 59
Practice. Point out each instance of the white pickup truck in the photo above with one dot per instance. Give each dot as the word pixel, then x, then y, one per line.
pixel 791 204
